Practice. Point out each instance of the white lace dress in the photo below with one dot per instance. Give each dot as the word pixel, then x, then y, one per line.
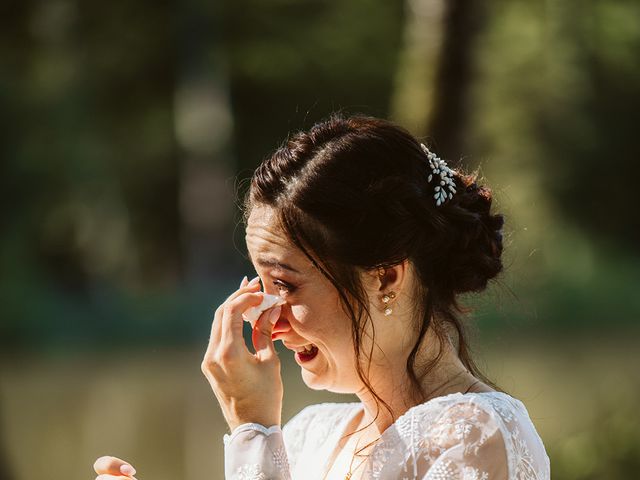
pixel 471 436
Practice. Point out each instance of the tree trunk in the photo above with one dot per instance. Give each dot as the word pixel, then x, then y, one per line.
pixel 463 21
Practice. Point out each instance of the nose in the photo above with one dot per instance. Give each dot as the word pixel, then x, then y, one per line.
pixel 281 326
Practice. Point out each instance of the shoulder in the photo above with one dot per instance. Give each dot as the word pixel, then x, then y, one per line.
pixel 489 425
pixel 473 410
pixel 455 416
pixel 525 450
pixel 468 420
pixel 485 434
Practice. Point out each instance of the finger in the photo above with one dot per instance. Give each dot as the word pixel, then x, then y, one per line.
pixel 216 328
pixel 231 323
pixel 249 283
pixel 249 286
pixel 214 336
pixel 261 334
pixel 113 466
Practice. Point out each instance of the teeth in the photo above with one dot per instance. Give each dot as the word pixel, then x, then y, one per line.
pixel 306 348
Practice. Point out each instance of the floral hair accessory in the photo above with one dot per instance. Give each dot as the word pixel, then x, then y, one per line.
pixel 439 167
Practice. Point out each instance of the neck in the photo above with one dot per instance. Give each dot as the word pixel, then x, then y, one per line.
pixel 448 376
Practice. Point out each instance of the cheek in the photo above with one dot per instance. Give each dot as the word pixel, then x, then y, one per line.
pixel 301 314
pixel 316 319
pixel 307 320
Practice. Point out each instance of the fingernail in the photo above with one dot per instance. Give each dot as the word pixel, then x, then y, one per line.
pixel 254 280
pixel 275 314
pixel 128 470
pixel 243 281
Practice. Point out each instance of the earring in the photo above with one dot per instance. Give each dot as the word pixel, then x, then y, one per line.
pixel 386 298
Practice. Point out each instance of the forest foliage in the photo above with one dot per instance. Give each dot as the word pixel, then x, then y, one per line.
pixel 128 130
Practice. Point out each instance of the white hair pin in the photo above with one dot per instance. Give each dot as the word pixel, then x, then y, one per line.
pixel 439 167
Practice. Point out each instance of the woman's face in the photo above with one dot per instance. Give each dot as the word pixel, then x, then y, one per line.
pixel 312 314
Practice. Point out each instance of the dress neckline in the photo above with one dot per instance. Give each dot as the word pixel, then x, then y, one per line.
pixel 360 407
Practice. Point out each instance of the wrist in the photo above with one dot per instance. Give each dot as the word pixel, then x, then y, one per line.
pixel 262 422
pixel 249 427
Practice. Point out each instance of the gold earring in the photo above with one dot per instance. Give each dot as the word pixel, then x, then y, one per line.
pixel 386 298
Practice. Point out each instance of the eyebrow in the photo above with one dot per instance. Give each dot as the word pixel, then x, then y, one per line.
pixel 274 263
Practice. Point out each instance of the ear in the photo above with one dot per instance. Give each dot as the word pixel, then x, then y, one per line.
pixel 392 279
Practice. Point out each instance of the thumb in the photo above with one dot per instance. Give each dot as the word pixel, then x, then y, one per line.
pixel 261 334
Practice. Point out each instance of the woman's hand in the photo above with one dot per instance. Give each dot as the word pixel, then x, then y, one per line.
pixel 112 468
pixel 248 386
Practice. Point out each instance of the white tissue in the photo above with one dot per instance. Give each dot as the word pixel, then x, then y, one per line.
pixel 268 301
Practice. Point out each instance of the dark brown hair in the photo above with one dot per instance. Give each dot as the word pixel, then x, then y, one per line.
pixel 352 192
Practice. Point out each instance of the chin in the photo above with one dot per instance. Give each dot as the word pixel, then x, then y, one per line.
pixel 311 380
pixel 314 383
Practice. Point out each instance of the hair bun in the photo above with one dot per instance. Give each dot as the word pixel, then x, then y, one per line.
pixel 475 254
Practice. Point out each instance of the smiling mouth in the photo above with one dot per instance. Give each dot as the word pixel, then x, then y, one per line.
pixel 305 355
pixel 307 349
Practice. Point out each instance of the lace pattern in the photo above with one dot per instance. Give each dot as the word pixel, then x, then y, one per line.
pixel 522 462
pixel 250 472
pixel 473 436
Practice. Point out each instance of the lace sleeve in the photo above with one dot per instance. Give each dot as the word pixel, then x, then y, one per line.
pixel 466 444
pixel 255 452
pixel 486 438
pixel 475 436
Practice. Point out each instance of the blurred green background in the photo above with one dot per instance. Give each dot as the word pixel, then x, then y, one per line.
pixel 128 128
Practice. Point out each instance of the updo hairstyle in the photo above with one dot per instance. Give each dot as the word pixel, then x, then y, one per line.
pixel 352 194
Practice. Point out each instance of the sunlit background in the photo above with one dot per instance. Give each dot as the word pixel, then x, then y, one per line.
pixel 128 128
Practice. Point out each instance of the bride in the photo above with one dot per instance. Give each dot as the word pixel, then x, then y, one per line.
pixel 363 239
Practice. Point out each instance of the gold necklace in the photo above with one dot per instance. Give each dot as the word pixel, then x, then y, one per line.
pixel 355 453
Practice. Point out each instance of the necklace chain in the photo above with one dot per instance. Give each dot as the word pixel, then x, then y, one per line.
pixel 355 453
